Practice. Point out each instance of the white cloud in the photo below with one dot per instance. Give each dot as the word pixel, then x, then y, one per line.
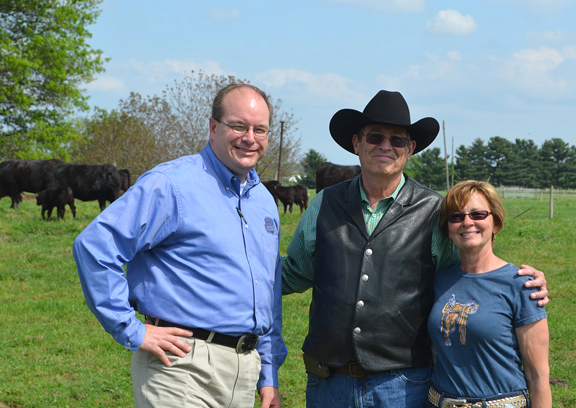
pixel 401 6
pixel 327 85
pixel 107 84
pixel 548 36
pixel 226 14
pixel 389 83
pixel 534 69
pixel 454 56
pixel 451 22
pixel 539 9
pixel 160 71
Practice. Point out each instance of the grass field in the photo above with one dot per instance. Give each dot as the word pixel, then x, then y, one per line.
pixel 55 354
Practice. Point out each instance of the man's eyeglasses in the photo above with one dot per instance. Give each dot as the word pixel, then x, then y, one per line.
pixel 474 215
pixel 377 138
pixel 260 132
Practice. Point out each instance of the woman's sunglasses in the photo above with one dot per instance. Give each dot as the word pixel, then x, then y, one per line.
pixel 474 215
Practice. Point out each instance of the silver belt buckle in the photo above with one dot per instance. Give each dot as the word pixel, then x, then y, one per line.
pixel 247 342
pixel 453 403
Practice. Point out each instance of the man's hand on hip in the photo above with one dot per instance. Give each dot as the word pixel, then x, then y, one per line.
pixel 160 339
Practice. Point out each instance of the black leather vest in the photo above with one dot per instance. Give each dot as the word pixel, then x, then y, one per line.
pixel 372 294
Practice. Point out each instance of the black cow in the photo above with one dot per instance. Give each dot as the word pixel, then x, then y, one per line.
pixel 91 182
pixel 31 176
pixel 124 179
pixel 289 195
pixel 329 174
pixel 58 198
pixel 270 185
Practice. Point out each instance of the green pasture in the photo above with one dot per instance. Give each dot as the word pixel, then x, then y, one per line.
pixel 55 354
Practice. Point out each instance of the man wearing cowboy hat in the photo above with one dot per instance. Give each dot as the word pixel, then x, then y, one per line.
pixel 369 247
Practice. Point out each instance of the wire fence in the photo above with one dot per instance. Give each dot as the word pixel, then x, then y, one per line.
pixel 535 193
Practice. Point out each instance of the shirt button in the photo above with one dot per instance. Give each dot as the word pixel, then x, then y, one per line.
pixel 369 251
pixel 129 344
pixel 357 330
pixel 227 188
pixel 364 278
pixel 256 281
pixel 360 303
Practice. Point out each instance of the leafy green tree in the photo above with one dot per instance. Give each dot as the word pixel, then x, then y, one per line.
pixel 119 138
pixel 525 171
pixel 310 163
pixel 44 60
pixel 471 163
pixel 428 168
pixel 500 158
pixel 555 158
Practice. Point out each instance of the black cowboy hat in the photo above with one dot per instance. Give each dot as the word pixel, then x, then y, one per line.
pixel 388 108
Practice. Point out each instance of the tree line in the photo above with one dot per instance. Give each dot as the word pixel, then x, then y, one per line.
pixel 521 163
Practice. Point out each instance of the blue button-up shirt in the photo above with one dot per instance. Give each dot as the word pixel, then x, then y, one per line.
pixel 199 251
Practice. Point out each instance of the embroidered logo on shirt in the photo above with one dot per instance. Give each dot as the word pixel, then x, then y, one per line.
pixel 269 225
pixel 456 314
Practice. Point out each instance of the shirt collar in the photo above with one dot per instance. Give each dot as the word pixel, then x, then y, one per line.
pixel 392 196
pixel 225 175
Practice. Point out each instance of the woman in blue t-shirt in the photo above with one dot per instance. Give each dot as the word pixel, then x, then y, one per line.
pixel 491 339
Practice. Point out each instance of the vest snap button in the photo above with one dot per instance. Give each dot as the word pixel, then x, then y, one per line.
pixel 364 278
pixel 369 251
pixel 357 330
pixel 360 303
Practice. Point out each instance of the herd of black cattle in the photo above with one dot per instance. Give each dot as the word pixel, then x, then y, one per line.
pixel 57 184
pixel 327 175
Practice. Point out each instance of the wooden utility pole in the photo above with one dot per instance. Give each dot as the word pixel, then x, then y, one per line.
pixel 551 202
pixel 446 158
pixel 452 166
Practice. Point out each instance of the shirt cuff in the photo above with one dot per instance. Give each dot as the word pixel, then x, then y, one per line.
pixel 268 376
pixel 133 335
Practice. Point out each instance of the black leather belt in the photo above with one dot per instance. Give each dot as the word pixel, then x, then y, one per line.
pixel 242 344
pixel 352 369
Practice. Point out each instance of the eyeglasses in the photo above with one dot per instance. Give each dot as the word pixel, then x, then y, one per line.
pixel 474 215
pixel 260 132
pixel 377 138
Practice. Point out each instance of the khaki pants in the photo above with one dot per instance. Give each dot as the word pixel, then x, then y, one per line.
pixel 209 376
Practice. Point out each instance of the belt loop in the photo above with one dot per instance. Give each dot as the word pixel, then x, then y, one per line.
pixel 156 320
pixel 528 404
pixel 440 400
pixel 210 337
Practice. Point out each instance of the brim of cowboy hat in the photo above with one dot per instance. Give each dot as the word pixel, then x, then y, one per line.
pixel 346 122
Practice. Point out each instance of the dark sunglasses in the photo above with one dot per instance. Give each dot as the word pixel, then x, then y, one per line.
pixel 474 215
pixel 377 138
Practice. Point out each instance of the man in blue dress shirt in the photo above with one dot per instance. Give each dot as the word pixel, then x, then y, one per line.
pixel 199 237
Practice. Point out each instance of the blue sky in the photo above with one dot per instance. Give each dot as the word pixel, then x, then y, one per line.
pixel 485 68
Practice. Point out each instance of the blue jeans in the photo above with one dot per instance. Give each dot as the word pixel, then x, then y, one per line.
pixel 406 388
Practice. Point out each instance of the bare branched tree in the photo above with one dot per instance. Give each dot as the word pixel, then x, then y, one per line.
pixel 146 131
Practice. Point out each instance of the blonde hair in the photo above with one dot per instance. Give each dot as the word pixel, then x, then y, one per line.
pixel 460 194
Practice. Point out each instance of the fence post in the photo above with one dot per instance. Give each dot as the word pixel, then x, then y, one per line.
pixel 551 202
